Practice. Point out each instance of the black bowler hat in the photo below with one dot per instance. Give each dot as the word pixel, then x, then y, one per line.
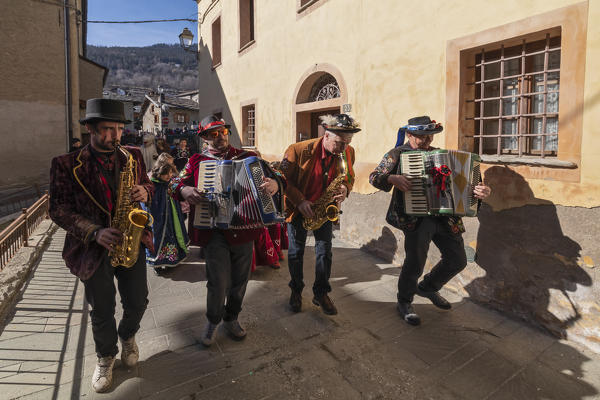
pixel 211 123
pixel 422 126
pixel 104 110
pixel 340 123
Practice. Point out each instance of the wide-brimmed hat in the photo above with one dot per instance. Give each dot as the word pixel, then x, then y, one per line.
pixel 340 123
pixel 422 126
pixel 104 110
pixel 211 123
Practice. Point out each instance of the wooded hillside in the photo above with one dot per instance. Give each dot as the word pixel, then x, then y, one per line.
pixel 167 65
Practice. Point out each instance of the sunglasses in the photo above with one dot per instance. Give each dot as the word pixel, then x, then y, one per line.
pixel 215 133
pixel 425 127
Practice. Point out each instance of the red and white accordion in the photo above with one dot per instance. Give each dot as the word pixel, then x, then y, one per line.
pixel 442 182
pixel 232 197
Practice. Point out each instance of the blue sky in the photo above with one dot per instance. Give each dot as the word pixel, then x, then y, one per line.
pixel 134 10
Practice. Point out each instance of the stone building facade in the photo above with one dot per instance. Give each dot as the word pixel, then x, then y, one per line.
pixel 512 81
pixel 46 80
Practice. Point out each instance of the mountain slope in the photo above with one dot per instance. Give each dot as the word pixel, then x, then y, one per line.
pixel 167 65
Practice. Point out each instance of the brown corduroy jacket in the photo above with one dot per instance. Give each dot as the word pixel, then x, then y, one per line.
pixel 297 165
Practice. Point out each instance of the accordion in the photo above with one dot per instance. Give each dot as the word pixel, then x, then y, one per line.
pixel 442 182
pixel 232 197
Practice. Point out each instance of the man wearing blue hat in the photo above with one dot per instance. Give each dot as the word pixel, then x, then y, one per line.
pixel 444 231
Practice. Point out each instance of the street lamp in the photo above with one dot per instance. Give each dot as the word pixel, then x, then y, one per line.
pixel 186 38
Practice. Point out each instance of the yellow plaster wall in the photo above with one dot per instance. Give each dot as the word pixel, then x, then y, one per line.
pixel 391 55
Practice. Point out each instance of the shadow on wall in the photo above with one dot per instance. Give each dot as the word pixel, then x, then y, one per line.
pixel 211 97
pixel 531 266
pixel 384 246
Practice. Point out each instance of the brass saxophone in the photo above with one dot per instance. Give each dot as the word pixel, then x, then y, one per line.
pixel 129 218
pixel 325 208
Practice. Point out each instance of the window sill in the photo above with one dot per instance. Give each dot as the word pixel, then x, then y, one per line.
pixel 215 66
pixel 246 46
pixel 304 7
pixel 531 161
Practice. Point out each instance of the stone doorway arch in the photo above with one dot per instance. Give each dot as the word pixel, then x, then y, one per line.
pixel 321 90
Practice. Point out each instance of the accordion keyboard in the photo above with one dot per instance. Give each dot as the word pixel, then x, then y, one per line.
pixel 206 184
pixel 413 167
pixel 265 199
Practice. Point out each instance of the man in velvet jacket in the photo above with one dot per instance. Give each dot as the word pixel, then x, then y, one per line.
pixel 83 193
pixel 228 251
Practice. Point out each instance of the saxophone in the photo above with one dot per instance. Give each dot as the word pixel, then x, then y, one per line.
pixel 129 218
pixel 324 207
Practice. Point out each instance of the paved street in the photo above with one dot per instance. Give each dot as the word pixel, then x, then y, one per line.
pixel 365 352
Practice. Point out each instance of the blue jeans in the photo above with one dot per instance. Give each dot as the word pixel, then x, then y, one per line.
pixel 297 241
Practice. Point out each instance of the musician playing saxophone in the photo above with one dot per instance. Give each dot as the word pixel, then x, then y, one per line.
pixel 83 201
pixel 318 172
pixel 228 251
pixel 444 231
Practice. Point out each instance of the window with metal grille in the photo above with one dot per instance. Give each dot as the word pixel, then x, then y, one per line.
pixel 516 93
pixel 248 126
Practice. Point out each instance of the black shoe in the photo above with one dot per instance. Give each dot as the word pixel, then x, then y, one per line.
pixel 435 297
pixel 408 314
pixel 326 304
pixel 296 301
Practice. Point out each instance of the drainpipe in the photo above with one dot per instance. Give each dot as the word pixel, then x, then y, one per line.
pixel 68 111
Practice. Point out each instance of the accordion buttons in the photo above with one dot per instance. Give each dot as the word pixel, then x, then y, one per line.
pixel 235 235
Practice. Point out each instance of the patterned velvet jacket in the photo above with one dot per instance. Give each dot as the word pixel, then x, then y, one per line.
pixel 378 178
pixel 297 166
pixel 79 205
pixel 189 177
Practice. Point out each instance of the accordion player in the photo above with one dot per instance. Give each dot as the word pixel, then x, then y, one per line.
pixel 442 182
pixel 233 199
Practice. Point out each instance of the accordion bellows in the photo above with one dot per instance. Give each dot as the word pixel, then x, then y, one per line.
pixel 232 197
pixel 442 182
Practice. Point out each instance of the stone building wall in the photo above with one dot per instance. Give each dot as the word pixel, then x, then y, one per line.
pixel 32 94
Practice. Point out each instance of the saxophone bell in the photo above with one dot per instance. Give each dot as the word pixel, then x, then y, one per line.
pixel 332 212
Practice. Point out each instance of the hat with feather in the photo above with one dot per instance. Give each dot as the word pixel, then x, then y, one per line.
pixel 340 123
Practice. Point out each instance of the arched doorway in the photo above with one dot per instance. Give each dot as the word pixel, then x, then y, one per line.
pixel 320 91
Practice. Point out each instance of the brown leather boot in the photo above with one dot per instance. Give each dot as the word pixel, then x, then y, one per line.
pixel 326 304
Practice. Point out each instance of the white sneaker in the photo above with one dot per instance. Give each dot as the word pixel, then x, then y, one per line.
pixel 235 330
pixel 210 331
pixel 102 378
pixel 129 352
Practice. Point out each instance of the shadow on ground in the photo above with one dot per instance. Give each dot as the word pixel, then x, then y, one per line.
pixel 365 352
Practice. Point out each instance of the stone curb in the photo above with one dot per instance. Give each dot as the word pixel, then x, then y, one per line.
pixel 18 269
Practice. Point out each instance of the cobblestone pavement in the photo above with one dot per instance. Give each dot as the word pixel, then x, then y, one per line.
pixel 365 352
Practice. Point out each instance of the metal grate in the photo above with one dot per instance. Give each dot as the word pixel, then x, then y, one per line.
pixel 250 132
pixel 516 99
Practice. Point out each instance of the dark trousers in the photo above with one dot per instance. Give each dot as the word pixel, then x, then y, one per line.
pixel 416 246
pixel 297 241
pixel 100 294
pixel 227 272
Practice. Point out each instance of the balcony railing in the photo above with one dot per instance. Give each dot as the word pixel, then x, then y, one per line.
pixel 17 233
